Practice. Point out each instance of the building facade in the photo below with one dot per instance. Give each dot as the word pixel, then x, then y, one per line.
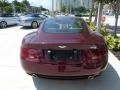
pixel 73 3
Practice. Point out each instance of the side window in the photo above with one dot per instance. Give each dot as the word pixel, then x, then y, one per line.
pixel 4 15
pixel 36 15
pixel 9 15
pixel 42 16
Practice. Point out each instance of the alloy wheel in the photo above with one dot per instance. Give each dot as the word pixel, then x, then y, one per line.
pixel 3 24
pixel 34 25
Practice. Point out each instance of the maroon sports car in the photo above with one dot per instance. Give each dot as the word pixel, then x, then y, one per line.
pixel 64 46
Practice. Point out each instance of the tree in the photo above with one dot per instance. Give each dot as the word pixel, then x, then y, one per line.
pixel 8 9
pixel 3 3
pixel 100 8
pixel 63 8
pixel 115 4
pixel 80 9
pixel 20 7
pixel 92 9
pixel 26 4
pixel 96 11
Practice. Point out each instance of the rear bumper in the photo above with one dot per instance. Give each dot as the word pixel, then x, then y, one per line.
pixel 55 70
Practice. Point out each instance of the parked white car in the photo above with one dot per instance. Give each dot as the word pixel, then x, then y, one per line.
pixel 8 19
pixel 32 20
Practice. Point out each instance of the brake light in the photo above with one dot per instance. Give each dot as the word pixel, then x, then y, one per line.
pixel 94 57
pixel 31 54
pixel 96 52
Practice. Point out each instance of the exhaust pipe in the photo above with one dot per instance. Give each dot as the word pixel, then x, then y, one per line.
pixel 34 75
pixel 91 77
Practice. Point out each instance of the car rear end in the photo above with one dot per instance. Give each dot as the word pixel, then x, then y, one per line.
pixel 25 21
pixel 64 60
pixel 64 53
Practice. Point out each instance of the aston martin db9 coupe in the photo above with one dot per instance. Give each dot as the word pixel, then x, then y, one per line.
pixel 64 46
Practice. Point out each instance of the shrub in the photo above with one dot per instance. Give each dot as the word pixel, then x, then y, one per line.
pixel 104 31
pixel 112 42
pixel 92 26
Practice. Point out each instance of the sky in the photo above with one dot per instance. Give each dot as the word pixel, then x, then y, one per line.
pixel 45 3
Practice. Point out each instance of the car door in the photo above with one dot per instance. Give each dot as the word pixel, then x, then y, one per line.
pixel 7 18
pixel 36 18
pixel 15 19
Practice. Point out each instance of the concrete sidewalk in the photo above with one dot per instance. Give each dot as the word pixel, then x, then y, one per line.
pixel 14 78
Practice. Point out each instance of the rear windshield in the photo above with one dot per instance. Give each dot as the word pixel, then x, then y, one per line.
pixel 63 26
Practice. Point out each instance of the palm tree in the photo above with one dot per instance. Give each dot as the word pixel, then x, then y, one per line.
pixel 74 4
pixel 13 8
pixel 96 11
pixel 91 10
pixel 27 5
pixel 100 8
pixel 115 4
pixel 116 8
pixel 2 5
pixel 70 5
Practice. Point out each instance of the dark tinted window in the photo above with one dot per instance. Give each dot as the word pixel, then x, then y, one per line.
pixel 32 15
pixel 67 25
pixel 7 15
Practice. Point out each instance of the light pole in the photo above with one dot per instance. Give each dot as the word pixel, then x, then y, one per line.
pixel 70 6
pixel 56 5
pixel 61 6
pixel 100 7
pixel 52 7
pixel 81 1
pixel 13 8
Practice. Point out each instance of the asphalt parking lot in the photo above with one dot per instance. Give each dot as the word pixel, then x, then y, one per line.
pixel 12 76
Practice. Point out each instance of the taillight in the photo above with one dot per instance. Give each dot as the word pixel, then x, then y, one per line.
pixel 94 57
pixel 31 54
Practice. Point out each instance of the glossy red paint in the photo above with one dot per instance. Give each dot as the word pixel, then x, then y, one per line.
pixel 92 54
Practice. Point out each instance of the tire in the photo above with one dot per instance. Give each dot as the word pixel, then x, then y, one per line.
pixel 34 25
pixel 3 24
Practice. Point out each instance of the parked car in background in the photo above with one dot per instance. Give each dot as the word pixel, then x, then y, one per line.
pixel 64 46
pixel 32 20
pixel 8 19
